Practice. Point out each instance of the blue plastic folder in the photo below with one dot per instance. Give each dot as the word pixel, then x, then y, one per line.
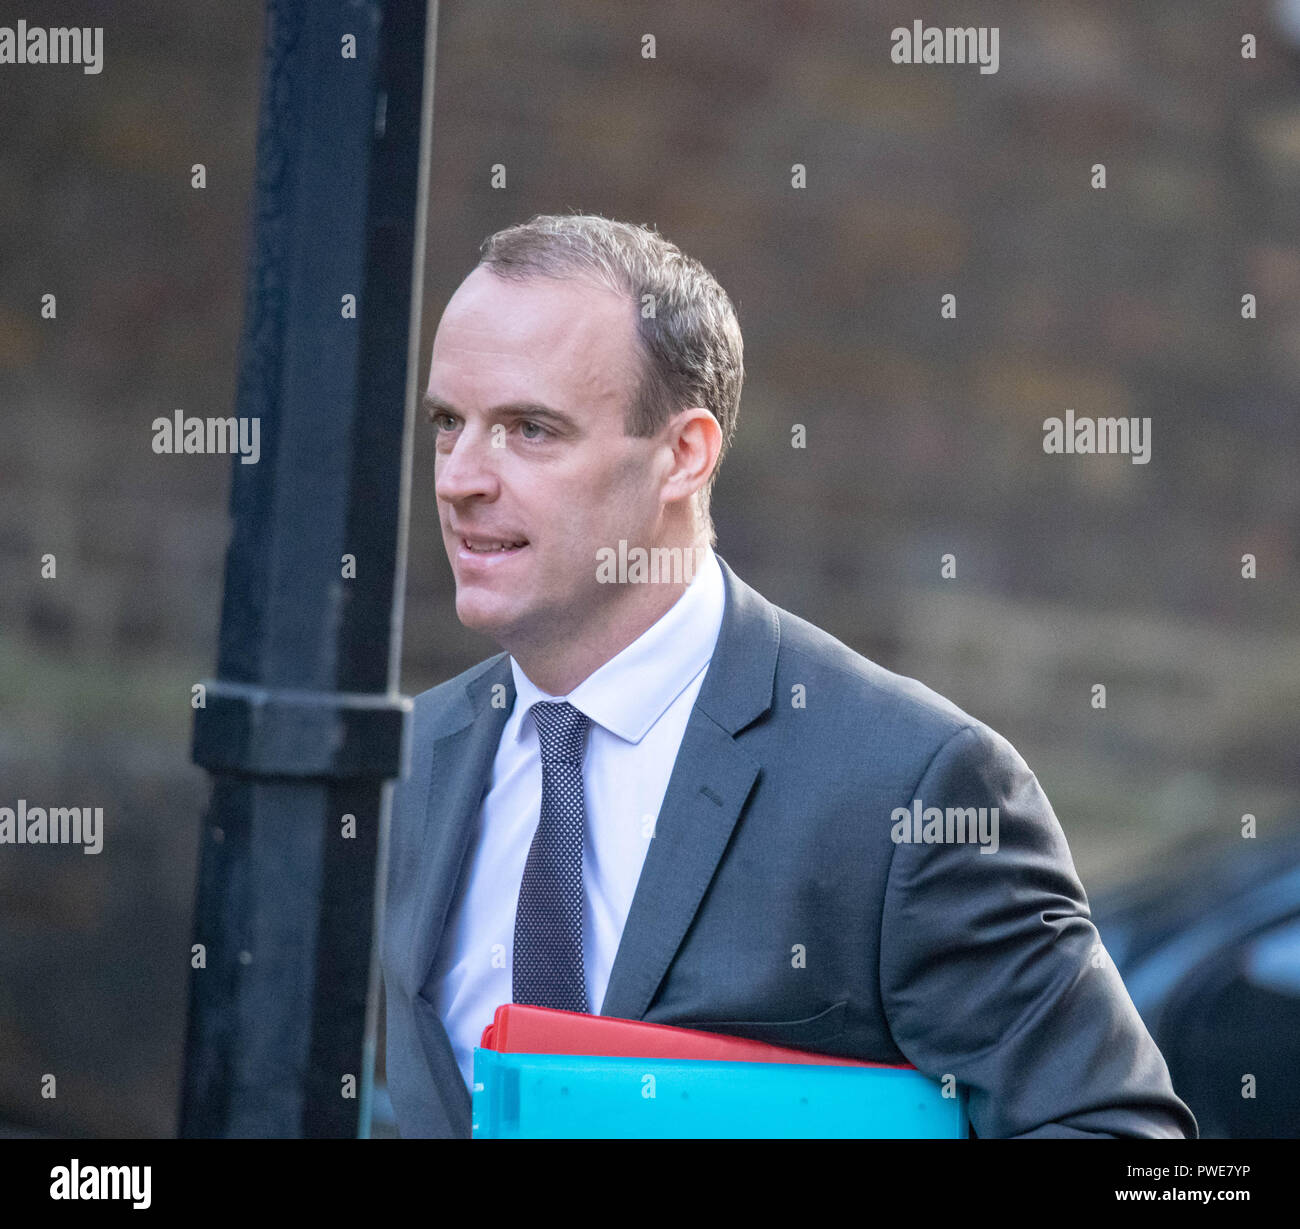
pixel 565 1096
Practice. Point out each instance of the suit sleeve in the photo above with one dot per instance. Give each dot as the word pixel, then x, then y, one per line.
pixel 992 971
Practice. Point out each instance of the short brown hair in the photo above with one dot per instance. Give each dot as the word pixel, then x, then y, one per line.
pixel 692 344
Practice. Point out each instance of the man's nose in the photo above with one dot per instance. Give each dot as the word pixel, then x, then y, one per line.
pixel 467 468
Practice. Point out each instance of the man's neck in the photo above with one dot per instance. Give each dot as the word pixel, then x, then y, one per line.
pixel 560 665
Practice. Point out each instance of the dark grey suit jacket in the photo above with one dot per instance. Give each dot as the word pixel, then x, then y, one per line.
pixel 774 904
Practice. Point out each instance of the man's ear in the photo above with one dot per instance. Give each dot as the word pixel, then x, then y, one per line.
pixel 696 440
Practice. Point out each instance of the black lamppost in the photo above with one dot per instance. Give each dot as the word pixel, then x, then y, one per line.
pixel 302 730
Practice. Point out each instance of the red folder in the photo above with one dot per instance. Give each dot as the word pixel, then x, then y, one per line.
pixel 521 1029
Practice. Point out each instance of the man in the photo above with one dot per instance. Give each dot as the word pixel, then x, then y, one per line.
pixel 669 800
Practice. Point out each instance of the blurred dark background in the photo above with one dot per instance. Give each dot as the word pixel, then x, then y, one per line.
pixel 924 435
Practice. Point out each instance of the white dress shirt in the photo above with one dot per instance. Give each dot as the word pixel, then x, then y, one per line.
pixel 639 702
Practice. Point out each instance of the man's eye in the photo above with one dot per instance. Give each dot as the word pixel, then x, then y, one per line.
pixel 439 419
pixel 524 424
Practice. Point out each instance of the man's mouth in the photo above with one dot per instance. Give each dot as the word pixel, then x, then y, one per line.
pixel 492 546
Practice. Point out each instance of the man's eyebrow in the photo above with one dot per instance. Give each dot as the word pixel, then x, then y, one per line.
pixel 511 409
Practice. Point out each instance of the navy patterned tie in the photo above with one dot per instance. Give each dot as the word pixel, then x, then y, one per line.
pixel 547 967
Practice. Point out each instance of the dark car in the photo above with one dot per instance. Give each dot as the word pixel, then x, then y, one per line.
pixel 1209 948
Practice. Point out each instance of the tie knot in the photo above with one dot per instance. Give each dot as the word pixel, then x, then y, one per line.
pixel 562 731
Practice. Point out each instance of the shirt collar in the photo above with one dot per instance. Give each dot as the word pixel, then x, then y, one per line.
pixel 632 690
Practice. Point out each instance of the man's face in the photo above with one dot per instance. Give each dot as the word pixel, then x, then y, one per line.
pixel 529 386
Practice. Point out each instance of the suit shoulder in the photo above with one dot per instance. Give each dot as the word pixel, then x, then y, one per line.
pixel 442 692
pixel 865 691
pixel 445 699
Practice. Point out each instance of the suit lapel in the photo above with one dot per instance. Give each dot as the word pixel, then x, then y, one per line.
pixel 460 771
pixel 711 779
